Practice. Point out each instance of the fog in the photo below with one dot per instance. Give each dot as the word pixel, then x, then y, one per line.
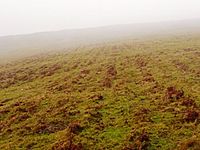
pixel 29 16
pixel 32 27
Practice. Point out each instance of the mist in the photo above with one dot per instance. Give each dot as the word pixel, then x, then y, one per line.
pixel 31 27
pixel 29 16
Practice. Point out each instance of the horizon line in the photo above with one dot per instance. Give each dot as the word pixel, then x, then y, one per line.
pixel 95 27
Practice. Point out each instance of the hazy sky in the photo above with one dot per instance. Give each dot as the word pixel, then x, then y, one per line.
pixel 27 16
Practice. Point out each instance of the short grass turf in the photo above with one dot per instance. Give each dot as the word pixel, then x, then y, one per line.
pixel 136 94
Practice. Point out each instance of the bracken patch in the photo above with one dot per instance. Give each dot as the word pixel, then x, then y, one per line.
pixel 193 144
pixel 191 116
pixel 140 142
pixel 173 93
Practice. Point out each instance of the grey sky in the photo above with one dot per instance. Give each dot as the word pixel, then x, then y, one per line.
pixel 27 16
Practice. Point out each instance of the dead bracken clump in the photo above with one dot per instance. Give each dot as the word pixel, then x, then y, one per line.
pixel 173 93
pixel 111 71
pixel 60 87
pixel 49 70
pixel 49 127
pixel 107 82
pixel 191 116
pixel 4 111
pixel 75 127
pixel 142 111
pixel 30 107
pixel 143 141
pixel 192 143
pixel 97 97
pixel 23 117
pixel 140 62
pixel 148 77
pixel 83 73
pixel 181 65
pixel 140 142
pixel 110 75
pixel 142 115
pixel 67 143
pixel 188 102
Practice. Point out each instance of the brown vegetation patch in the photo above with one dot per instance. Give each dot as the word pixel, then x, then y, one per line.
pixel 107 82
pixel 2 126
pixel 62 102
pixel 14 76
pixel 30 145
pixel 7 75
pixel 189 49
pixel 75 127
pixel 67 145
pixel 140 61
pixel 85 71
pixel 191 116
pixel 94 116
pixel 49 127
pixel 140 141
pixel 49 70
pixel 30 107
pixel 6 83
pixel 4 111
pixel 173 93
pixel 156 88
pixel 16 118
pixel 67 142
pixel 111 71
pixel 197 53
pixel 97 97
pixel 17 104
pixel 142 111
pixel 23 117
pixel 188 102
pixel 109 76
pixel 94 107
pixel 181 65
pixel 75 65
pixel 193 144
pixel 148 77
pixel 142 115
pixel 59 87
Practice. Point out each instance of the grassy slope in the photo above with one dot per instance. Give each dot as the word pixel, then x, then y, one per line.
pixel 112 96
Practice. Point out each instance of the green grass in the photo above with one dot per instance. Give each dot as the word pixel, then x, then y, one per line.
pixel 103 97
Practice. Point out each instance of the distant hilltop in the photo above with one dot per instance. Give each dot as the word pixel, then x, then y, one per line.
pixel 30 44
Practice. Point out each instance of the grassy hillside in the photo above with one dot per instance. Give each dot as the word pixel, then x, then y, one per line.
pixel 128 95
